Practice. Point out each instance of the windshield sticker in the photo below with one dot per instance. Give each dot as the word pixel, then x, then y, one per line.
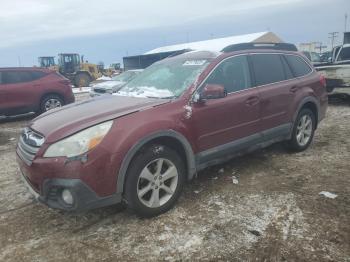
pixel 194 62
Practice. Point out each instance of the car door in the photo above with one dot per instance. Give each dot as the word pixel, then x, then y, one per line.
pixel 277 89
pixel 224 123
pixel 17 94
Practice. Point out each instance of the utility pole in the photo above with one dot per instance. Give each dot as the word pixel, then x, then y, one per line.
pixel 332 36
pixel 346 22
pixel 19 61
pixel 320 46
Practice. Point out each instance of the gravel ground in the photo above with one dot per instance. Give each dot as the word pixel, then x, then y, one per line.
pixel 273 213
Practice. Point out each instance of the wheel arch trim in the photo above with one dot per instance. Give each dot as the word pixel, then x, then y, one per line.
pixel 191 164
pixel 302 103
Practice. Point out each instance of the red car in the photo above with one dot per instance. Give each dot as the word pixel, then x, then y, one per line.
pixel 177 117
pixel 25 90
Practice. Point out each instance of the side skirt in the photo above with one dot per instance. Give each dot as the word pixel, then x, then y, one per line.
pixel 242 146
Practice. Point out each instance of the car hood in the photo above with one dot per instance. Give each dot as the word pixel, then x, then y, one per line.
pixel 59 123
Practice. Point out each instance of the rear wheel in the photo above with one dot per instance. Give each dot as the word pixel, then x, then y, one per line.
pixel 81 80
pixel 303 131
pixel 154 181
pixel 50 102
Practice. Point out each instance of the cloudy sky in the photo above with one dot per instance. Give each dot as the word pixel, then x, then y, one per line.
pixel 107 30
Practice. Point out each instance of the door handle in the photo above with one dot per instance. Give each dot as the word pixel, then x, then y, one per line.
pixel 293 89
pixel 251 101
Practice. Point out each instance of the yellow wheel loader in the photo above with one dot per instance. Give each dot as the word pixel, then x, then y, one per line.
pixel 79 72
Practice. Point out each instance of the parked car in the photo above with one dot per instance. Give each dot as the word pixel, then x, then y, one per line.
pixel 177 117
pixel 113 85
pixel 314 57
pixel 337 70
pixel 24 90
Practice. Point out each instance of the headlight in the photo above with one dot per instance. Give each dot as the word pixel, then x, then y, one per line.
pixel 79 143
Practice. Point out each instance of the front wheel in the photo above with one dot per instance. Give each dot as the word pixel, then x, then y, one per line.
pixel 154 181
pixel 303 131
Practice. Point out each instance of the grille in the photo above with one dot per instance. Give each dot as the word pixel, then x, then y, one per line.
pixel 28 145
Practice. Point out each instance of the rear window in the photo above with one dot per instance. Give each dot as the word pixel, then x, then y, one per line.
pixel 12 77
pixel 298 65
pixel 268 68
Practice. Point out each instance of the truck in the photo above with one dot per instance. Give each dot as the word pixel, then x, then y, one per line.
pixel 337 70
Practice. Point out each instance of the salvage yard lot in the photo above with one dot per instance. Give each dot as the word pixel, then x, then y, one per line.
pixel 274 213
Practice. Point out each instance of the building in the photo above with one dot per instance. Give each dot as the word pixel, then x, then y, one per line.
pixel 145 60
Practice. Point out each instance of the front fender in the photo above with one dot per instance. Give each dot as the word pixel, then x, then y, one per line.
pixel 141 142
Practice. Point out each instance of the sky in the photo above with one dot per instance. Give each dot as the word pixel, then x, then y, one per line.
pixel 107 30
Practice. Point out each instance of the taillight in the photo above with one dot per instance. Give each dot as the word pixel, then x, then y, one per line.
pixel 323 81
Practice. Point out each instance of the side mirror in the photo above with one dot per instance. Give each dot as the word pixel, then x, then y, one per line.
pixel 212 91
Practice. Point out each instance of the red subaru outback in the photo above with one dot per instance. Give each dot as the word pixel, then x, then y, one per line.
pixel 29 89
pixel 178 116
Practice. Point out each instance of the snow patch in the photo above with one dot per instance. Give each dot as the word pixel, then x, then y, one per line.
pixel 107 84
pixel 104 78
pixel 328 194
pixel 145 91
pixel 80 90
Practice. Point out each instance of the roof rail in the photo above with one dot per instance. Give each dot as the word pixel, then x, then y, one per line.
pixel 246 46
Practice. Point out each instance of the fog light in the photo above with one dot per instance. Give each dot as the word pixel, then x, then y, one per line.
pixel 67 197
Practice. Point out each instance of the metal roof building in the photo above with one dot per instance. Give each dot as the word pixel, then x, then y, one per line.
pixel 218 44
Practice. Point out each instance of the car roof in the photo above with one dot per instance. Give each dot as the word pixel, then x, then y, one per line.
pixel 25 68
pixel 211 55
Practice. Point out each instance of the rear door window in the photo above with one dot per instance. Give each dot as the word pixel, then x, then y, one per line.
pixel 287 70
pixel 268 68
pixel 298 65
pixel 233 74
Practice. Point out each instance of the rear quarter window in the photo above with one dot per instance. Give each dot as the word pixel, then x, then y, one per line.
pixel 37 75
pixel 298 65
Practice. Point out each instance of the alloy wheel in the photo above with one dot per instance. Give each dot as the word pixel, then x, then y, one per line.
pixel 304 130
pixel 52 103
pixel 157 182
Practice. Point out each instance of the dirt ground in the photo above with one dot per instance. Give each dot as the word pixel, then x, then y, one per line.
pixel 274 213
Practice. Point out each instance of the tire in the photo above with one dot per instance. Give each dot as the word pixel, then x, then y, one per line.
pixel 145 181
pixel 81 80
pixel 303 131
pixel 50 102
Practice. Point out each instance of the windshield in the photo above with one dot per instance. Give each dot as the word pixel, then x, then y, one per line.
pixel 164 80
pixel 124 77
